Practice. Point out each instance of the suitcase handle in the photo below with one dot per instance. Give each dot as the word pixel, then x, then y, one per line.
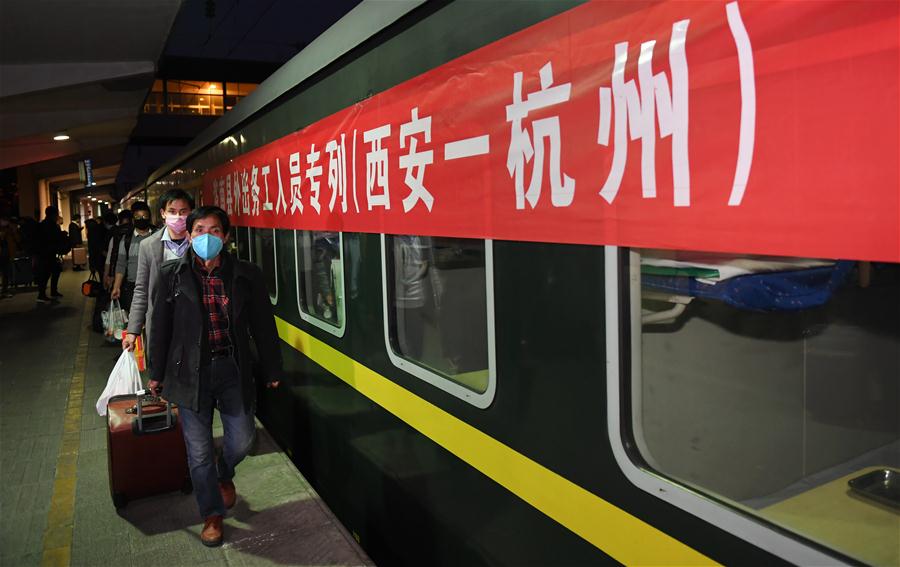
pixel 146 400
pixel 154 423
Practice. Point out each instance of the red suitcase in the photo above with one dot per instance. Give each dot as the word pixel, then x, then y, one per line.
pixel 145 447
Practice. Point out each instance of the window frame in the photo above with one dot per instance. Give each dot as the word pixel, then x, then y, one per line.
pixel 620 318
pixel 337 331
pixel 273 299
pixel 249 257
pixel 479 400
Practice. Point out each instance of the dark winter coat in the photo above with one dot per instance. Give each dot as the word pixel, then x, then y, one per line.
pixel 49 240
pixel 179 345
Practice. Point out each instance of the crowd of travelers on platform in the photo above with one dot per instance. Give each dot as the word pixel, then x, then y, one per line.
pixel 183 293
pixel 33 253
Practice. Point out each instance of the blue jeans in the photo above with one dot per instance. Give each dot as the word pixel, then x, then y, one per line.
pixel 220 386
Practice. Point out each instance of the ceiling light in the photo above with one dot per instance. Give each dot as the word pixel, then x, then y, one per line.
pixel 61 137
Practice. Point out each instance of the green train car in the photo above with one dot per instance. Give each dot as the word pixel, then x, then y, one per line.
pixel 716 391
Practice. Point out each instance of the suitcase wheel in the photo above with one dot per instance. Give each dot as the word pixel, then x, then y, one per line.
pixel 119 500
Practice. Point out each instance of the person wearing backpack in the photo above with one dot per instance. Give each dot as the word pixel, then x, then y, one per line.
pixel 123 228
pixel 168 243
pixel 99 233
pixel 126 258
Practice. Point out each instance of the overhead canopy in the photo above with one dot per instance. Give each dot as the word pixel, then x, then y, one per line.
pixel 82 68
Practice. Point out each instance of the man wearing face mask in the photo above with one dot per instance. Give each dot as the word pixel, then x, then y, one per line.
pixel 170 243
pixel 208 305
pixel 126 260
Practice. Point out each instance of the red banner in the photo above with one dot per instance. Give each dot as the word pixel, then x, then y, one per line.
pixel 752 127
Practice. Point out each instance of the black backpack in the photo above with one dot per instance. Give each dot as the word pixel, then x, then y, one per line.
pixel 118 233
pixel 63 244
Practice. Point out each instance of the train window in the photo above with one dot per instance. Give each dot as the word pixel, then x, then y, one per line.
pixel 771 384
pixel 319 263
pixel 242 236
pixel 438 311
pixel 263 254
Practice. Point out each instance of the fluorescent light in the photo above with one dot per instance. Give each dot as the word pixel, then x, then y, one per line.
pixel 61 137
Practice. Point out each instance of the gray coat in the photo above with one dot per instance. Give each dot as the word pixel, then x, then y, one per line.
pixel 150 258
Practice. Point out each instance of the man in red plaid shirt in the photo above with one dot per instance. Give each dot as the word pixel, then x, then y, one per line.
pixel 208 306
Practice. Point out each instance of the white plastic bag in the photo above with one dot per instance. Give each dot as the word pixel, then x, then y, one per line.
pixel 114 323
pixel 124 379
pixel 119 331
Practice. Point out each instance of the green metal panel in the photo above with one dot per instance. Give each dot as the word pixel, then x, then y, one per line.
pixel 409 501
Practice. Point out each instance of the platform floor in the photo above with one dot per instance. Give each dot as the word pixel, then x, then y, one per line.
pixel 55 507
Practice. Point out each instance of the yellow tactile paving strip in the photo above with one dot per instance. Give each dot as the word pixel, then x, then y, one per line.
pixel 57 547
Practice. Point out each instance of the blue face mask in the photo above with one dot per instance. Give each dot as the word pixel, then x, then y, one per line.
pixel 207 246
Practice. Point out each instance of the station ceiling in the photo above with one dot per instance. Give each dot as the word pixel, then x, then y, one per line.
pixel 84 68
pixel 80 68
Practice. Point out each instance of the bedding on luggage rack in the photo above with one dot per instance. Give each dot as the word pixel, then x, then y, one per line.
pixel 759 284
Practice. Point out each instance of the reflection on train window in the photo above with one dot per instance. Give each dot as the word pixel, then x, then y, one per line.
pixel 771 383
pixel 263 254
pixel 320 278
pixel 242 235
pixel 437 306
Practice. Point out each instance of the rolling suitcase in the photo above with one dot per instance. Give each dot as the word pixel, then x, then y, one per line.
pixel 145 448
pixel 79 256
pixel 22 272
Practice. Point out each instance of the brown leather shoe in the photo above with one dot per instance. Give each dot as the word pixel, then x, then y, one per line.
pixel 229 493
pixel 211 536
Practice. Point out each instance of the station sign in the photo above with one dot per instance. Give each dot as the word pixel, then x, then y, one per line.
pixel 86 172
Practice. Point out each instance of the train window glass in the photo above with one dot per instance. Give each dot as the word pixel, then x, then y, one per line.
pixel 242 236
pixel 263 254
pixel 319 263
pixel 154 192
pixel 772 384
pixel 439 312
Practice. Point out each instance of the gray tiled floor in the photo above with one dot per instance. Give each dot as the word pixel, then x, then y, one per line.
pixel 278 520
pixel 37 353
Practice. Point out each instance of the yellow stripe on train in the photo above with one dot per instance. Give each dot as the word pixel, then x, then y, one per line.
pixel 617 533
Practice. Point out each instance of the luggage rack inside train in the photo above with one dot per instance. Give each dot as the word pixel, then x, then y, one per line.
pixel 671 281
